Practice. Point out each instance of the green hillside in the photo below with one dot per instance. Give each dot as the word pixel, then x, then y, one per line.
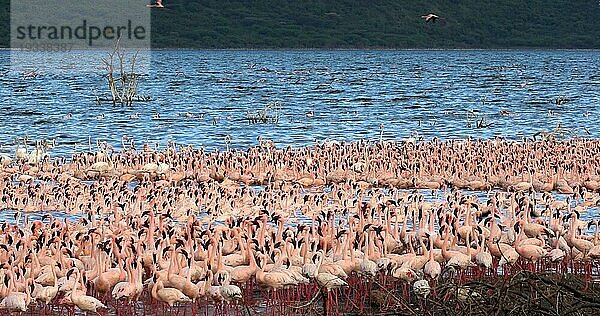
pixel 5 23
pixel 371 24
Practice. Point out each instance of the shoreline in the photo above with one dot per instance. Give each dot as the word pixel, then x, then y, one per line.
pixel 515 49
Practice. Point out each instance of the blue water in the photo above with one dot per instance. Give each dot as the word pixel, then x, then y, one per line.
pixel 351 93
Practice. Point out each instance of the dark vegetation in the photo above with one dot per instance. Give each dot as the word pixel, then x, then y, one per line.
pixel 369 24
pixel 522 293
pixel 4 23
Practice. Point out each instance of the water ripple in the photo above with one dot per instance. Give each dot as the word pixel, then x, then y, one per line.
pixel 349 93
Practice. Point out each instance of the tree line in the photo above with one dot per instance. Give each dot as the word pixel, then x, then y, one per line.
pixel 369 24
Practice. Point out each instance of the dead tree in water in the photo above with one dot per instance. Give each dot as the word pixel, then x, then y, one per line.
pixel 124 84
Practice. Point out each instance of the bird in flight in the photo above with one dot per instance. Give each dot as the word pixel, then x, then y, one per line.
pixel 431 17
pixel 157 4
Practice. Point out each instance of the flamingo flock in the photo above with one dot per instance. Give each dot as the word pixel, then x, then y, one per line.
pixel 188 231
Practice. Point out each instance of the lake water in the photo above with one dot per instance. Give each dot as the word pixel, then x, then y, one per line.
pixel 351 93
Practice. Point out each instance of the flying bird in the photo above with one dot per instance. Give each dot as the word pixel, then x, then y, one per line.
pixel 431 17
pixel 157 4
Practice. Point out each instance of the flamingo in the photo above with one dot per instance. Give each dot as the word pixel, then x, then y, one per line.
pixel 432 268
pixel 167 294
pixel 125 288
pixel 228 291
pixel 242 273
pixel 14 300
pixel 5 161
pixel 157 4
pixel 22 153
pixel 431 17
pixel 152 223
pixel 557 254
pixel 273 280
pixel 528 251
pixel 456 258
pixel 483 257
pixel 580 244
pixel 46 293
pixel 330 281
pixel 84 302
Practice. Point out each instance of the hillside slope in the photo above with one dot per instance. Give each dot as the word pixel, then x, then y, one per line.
pixel 371 24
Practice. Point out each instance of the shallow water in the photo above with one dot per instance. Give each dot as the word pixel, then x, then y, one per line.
pixel 351 93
